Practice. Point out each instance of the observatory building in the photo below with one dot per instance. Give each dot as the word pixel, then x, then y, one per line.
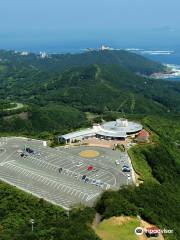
pixel 115 130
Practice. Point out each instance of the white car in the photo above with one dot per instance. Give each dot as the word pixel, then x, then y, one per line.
pixel 117 162
pixel 98 182
pixel 128 176
pixel 94 182
pixel 19 151
pixel 79 164
pixel 101 184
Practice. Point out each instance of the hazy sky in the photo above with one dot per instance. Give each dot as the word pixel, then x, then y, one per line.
pixel 18 15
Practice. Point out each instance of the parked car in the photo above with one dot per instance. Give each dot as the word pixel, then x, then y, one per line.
pixel 128 176
pixel 101 184
pixel 79 164
pixel 94 182
pixel 117 162
pixel 90 168
pixel 23 155
pixel 124 169
pixel 83 177
pixel 29 150
pixel 19 151
pixel 98 182
pixel 86 180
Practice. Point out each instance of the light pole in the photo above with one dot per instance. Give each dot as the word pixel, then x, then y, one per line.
pixel 32 224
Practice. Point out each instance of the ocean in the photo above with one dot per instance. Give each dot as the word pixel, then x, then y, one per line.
pixel 167 56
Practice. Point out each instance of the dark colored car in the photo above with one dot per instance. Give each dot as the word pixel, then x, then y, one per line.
pixel 83 177
pixel 86 180
pixel 29 150
pixel 124 169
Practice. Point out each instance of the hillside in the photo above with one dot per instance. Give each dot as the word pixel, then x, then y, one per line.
pixel 98 88
pixel 66 96
pixel 60 62
pixel 56 95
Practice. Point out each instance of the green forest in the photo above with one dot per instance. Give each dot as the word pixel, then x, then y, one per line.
pixel 157 200
pixel 58 94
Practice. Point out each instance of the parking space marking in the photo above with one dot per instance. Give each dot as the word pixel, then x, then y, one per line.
pixel 39 172
pixel 49 181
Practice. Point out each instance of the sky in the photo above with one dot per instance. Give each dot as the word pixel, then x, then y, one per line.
pixel 18 15
pixel 48 22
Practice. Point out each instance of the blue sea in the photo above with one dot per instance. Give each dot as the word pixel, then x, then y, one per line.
pixel 167 56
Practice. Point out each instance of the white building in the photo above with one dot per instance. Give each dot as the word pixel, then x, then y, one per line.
pixel 24 53
pixel 115 130
pixel 103 47
pixel 43 55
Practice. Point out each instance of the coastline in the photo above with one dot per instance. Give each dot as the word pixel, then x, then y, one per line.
pixel 173 73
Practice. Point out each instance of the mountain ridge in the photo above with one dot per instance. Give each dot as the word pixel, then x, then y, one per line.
pixel 60 62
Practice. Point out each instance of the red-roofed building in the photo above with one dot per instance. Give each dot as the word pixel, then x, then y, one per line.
pixel 142 136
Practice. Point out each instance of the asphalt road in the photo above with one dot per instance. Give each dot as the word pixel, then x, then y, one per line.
pixel 18 106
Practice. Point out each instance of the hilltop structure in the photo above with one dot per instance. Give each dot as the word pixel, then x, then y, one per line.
pixel 114 130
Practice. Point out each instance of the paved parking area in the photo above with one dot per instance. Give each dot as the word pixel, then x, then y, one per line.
pixel 55 174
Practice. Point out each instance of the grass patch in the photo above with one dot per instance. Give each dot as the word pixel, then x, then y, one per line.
pixel 112 230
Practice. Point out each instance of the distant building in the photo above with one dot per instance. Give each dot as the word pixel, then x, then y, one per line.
pixel 115 130
pixel 24 53
pixel 142 136
pixel 43 55
pixel 103 47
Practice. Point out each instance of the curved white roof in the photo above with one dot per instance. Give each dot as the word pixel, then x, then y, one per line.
pixel 129 127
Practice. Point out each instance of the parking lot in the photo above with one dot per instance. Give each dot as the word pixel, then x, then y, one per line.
pixel 61 176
